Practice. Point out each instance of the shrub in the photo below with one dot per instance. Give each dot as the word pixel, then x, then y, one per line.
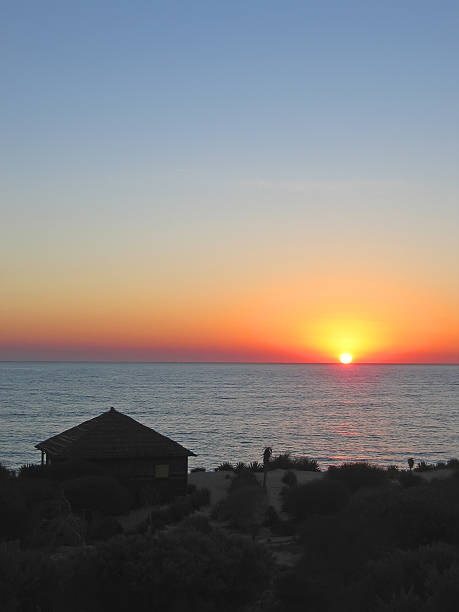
pixel 182 569
pixel 358 475
pixel 32 470
pixel 13 510
pixel 101 494
pixel 319 497
pixel 426 576
pixel 244 479
pixel 198 522
pixel 104 528
pixel 453 463
pixel 281 462
pixel 240 467
pixel 244 506
pixel 61 530
pixel 272 518
pixel 179 508
pixel 305 464
pixel 290 479
pixel 255 466
pixel 424 515
pixel 285 462
pixel 61 470
pixel 200 498
pixel 408 479
pixel 225 467
pixel 27 580
pixel 422 466
pixel 5 473
pixel 159 518
pixel 38 491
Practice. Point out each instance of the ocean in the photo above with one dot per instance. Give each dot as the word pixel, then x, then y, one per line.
pixel 230 412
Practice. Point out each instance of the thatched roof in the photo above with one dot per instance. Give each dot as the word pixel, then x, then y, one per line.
pixel 112 435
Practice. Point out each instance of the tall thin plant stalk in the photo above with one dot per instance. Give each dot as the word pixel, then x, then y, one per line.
pixel 267 454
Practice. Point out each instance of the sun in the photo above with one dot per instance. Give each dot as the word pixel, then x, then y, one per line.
pixel 345 358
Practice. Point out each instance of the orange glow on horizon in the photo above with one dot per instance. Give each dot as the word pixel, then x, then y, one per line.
pixel 282 320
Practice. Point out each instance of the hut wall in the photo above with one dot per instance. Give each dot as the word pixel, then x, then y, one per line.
pixel 167 475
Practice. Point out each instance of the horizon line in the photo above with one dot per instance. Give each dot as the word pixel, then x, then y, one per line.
pixel 426 363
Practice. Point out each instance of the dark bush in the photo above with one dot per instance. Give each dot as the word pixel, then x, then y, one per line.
pixel 426 576
pixel 36 491
pixel 244 479
pixel 225 467
pixel 245 505
pixel 200 498
pixel 101 494
pixel 423 466
pixel 240 467
pixel 255 466
pixel 408 479
pixel 425 514
pixel 319 497
pixel 61 530
pixel 159 518
pixel 5 473
pixel 27 580
pixel 61 470
pixel 358 475
pixel 33 470
pixel 305 464
pixel 272 518
pixel 179 508
pixel 198 522
pixel 182 569
pixel 104 528
pixel 13 510
pixel 281 462
pixel 290 479
pixel 285 462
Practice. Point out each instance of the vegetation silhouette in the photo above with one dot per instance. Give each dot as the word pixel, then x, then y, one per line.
pixel 267 454
pixel 356 538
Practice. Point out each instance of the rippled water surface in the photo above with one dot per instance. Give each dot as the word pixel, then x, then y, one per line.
pixel 231 411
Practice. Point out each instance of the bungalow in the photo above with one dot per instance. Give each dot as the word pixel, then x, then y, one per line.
pixel 125 448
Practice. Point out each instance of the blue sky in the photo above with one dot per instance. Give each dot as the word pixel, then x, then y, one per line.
pixel 248 133
pixel 318 89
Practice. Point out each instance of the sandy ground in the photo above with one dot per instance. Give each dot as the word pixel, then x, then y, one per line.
pixel 439 474
pixel 218 483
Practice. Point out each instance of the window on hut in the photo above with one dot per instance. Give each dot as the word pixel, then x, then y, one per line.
pixel 161 471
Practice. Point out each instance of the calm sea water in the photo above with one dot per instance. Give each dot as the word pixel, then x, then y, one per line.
pixel 229 412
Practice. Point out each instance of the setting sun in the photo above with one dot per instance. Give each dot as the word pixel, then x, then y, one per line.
pixel 345 358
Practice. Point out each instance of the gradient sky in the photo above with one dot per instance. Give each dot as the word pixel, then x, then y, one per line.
pixel 230 181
